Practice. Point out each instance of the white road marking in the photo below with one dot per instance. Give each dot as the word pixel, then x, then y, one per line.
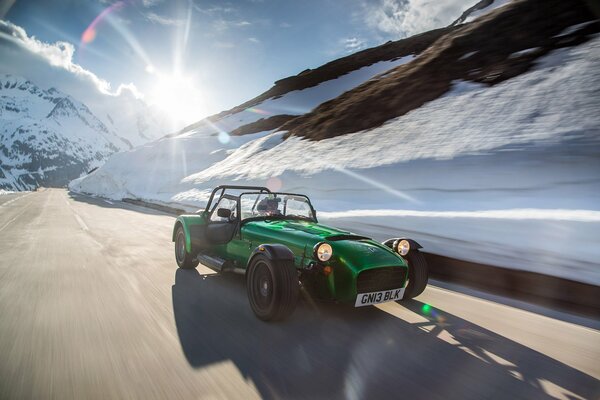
pixel 9 222
pixel 108 201
pixel 12 220
pixel 15 199
pixel 80 222
pixel 78 218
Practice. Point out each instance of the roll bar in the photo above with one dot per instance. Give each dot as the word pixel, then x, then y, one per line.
pixel 223 188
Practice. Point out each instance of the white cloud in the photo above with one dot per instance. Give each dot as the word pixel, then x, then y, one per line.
pixel 145 3
pixel 159 19
pixel 151 3
pixel 215 9
pixel 51 65
pixel 59 54
pixel 129 89
pixel 354 44
pixel 221 25
pixel 285 25
pixel 402 18
pixel 253 40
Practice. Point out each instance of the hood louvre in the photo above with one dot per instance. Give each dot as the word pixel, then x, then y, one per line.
pixel 334 238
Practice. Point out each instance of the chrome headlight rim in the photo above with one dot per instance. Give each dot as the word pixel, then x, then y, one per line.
pixel 323 256
pixel 402 247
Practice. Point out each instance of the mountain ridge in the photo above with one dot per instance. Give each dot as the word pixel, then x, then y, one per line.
pixel 48 137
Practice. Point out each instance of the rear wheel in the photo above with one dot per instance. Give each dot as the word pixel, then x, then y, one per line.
pixel 272 288
pixel 417 274
pixel 183 258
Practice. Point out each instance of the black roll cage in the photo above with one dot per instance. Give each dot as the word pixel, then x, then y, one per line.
pixel 255 190
pixel 223 188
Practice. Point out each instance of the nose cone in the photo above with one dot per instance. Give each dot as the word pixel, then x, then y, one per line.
pixel 365 254
pixel 352 257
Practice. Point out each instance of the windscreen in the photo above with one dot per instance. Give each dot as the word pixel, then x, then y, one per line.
pixel 256 205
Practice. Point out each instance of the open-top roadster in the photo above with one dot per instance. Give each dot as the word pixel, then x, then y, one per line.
pixel 277 242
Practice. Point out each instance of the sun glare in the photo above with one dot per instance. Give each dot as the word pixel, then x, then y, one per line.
pixel 178 96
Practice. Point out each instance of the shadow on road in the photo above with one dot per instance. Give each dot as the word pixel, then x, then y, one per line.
pixel 336 351
pixel 96 201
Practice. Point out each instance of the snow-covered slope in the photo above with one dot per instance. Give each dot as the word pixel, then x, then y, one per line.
pixel 47 137
pixel 507 175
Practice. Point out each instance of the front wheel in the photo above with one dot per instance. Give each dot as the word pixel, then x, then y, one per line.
pixel 272 288
pixel 183 258
pixel 417 274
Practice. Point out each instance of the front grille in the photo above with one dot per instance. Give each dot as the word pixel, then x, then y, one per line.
pixel 378 279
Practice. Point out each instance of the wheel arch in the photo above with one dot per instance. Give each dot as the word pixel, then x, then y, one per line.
pixel 275 252
pixel 188 241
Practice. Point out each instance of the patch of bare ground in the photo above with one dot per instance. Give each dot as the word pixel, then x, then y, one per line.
pixel 488 50
pixel 263 124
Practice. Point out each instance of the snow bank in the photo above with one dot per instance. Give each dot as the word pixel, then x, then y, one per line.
pixel 507 175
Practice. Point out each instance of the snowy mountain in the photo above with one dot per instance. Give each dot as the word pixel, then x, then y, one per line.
pixel 132 118
pixel 47 137
pixel 481 139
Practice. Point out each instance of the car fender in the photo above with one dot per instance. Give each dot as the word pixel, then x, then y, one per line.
pixel 188 221
pixel 275 252
pixel 188 240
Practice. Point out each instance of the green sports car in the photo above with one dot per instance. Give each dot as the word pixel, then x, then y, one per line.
pixel 275 240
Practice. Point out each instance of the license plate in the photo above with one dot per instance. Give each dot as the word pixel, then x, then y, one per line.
pixel 365 299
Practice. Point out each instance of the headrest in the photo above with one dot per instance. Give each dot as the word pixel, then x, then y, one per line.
pixel 268 202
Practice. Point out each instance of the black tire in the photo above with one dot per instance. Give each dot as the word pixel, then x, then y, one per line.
pixel 417 274
pixel 272 288
pixel 183 258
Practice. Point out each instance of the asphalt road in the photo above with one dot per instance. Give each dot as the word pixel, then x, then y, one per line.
pixel 93 306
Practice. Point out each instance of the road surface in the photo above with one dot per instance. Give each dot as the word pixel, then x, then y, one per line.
pixel 93 306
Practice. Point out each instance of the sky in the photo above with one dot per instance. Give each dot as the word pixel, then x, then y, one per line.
pixel 193 58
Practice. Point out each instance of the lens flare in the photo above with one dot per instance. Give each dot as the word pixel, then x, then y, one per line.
pixel 257 111
pixel 224 137
pixel 89 34
pixel 426 309
pixel 377 184
pixel 274 184
pixel 92 31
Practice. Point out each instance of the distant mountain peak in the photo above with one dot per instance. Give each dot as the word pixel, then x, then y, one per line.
pixel 63 108
pixel 48 137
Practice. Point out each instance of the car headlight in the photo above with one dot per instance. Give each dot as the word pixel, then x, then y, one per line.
pixel 402 247
pixel 323 251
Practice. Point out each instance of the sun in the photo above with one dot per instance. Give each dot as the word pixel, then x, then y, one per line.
pixel 178 96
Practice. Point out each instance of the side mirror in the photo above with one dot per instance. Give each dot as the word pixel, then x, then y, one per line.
pixel 224 213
